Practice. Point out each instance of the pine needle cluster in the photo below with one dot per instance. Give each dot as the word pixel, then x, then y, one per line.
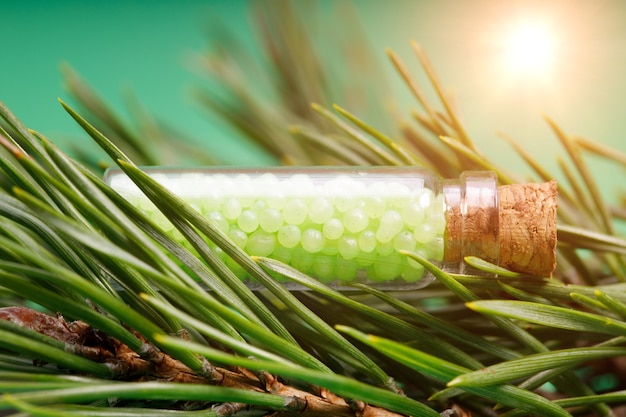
pixel 105 314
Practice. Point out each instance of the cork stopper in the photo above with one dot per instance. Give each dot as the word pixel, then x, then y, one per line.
pixel 513 226
pixel 528 228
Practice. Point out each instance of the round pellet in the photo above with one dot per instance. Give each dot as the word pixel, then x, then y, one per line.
pixel 248 221
pixel 270 220
pixel 390 225
pixel 355 220
pixel 261 243
pixel 333 229
pixel 312 240
pixel 348 247
pixel 289 235
pixel 295 211
pixel 321 210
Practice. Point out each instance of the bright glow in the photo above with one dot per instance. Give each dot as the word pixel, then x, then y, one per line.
pixel 531 48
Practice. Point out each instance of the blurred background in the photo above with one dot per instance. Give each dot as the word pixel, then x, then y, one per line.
pixel 506 63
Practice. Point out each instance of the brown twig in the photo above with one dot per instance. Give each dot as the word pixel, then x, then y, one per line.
pixel 83 340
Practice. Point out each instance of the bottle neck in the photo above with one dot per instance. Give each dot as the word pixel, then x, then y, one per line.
pixel 471 207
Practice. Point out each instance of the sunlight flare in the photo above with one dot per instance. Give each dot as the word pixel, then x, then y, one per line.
pixel 531 47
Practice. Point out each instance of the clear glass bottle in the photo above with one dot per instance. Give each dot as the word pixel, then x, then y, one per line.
pixel 340 224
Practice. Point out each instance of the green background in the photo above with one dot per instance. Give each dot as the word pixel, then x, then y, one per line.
pixel 145 46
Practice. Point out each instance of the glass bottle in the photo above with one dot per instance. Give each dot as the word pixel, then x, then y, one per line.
pixel 341 224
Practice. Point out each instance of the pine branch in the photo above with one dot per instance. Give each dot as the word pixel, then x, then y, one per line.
pixel 125 364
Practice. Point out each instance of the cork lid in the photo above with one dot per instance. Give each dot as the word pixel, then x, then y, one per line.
pixel 528 228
